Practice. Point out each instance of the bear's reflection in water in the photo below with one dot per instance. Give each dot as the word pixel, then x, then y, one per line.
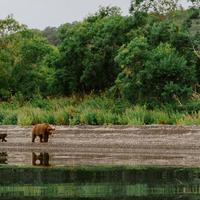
pixel 41 159
pixel 3 158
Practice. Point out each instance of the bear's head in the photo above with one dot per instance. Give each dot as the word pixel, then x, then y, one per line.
pixel 50 129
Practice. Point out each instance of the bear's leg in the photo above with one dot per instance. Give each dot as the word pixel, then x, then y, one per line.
pixel 33 137
pixel 41 138
pixel 46 137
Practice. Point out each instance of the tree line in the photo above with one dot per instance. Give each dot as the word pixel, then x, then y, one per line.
pixel 150 56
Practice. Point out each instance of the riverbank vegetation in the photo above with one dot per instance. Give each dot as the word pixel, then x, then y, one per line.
pixel 143 68
pixel 94 110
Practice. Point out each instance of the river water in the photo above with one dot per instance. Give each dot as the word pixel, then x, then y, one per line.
pixel 94 162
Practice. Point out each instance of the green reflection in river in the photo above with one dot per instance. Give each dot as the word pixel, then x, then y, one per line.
pixel 99 183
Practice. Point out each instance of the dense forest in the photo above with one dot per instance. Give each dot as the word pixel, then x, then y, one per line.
pixel 149 58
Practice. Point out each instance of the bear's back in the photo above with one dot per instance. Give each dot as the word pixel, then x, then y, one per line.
pixel 39 129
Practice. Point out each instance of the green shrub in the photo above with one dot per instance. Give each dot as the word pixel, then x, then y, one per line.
pixel 10 119
pixel 50 118
pixel 2 116
pixel 88 117
pixel 149 118
pixel 62 118
pixel 40 103
pixel 75 120
pixel 193 119
pixel 135 115
pixel 190 107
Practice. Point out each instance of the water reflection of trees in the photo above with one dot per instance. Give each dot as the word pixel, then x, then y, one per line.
pixel 150 176
pixel 98 182
pixel 95 191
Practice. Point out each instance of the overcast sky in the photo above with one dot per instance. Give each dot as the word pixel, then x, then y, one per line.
pixel 43 13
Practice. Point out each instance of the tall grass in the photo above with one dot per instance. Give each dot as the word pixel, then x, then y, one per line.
pixel 93 110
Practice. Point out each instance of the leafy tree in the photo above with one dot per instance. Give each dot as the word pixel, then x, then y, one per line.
pixel 88 49
pixel 150 56
pixel 131 58
pixel 104 12
pixel 191 48
pixel 22 56
pixel 47 70
pixel 8 54
pixel 51 33
pixel 10 26
pixel 64 31
pixel 153 75
pixel 159 6
pixel 37 62
pixel 32 50
pixel 195 3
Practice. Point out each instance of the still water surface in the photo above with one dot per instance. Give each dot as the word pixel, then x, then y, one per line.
pixel 42 181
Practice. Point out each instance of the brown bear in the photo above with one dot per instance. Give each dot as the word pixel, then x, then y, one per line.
pixel 2 137
pixel 42 131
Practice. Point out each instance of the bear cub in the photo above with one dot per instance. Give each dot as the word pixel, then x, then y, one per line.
pixel 3 137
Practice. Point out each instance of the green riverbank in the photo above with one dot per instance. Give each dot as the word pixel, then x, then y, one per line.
pixel 94 110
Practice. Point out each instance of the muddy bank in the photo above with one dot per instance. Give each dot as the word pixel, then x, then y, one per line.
pixel 114 145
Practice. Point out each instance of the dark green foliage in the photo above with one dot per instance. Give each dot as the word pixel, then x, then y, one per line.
pixel 10 118
pixel 91 118
pixel 155 55
pixel 159 74
pixel 88 50
pixel 166 75
pixel 50 119
pixel 1 117
pixel 150 58
pixel 159 66
pixel 23 61
pixel 190 107
pixel 148 118
pixel 38 102
pixel 193 28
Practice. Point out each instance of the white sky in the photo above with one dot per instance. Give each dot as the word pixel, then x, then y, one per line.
pixel 43 13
